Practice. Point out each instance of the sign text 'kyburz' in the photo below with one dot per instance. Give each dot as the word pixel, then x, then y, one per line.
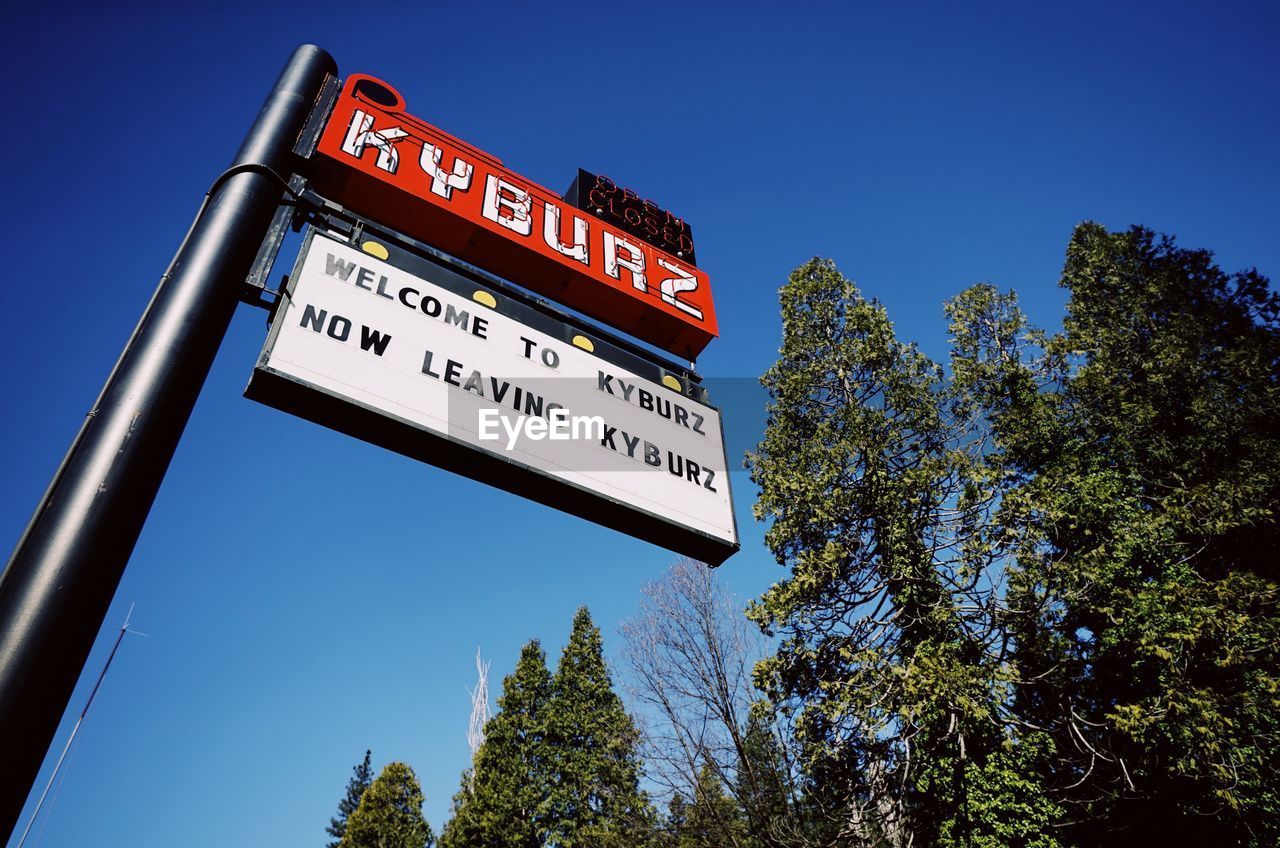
pixel 388 165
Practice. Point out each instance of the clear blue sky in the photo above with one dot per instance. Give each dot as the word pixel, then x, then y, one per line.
pixel 308 596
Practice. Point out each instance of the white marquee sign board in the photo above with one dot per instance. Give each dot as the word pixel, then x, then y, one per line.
pixel 411 355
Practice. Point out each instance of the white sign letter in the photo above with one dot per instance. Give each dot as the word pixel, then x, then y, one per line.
pixel 361 134
pixel 500 194
pixel 551 234
pixel 444 182
pixel 684 282
pixel 612 261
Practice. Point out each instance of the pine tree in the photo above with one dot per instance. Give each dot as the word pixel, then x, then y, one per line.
pixel 503 799
pixel 1149 449
pixel 390 813
pixel 1033 600
pixel 712 819
pixel 674 822
pixel 595 799
pixel 361 777
pixel 763 785
pixel 879 492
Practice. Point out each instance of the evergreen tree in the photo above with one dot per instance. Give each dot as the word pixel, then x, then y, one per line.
pixel 1033 602
pixel 1147 437
pixel 361 777
pixel 390 813
pixel 712 819
pixel 595 799
pixel 879 494
pixel 503 799
pixel 763 786
pixel 674 822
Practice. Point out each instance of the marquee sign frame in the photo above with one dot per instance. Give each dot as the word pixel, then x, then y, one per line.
pixel 379 418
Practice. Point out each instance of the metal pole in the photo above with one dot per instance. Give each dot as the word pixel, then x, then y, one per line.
pixel 56 589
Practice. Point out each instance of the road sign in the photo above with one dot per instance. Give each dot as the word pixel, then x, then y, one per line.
pixel 416 179
pixel 397 349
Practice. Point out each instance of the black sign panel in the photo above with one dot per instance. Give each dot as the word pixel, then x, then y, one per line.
pixel 625 209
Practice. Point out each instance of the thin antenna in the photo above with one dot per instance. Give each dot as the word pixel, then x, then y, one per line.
pixel 479 706
pixel 124 628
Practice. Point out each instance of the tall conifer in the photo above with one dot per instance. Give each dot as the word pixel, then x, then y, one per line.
pixel 361 777
pixel 502 802
pixel 1032 599
pixel 390 813
pixel 712 819
pixel 595 799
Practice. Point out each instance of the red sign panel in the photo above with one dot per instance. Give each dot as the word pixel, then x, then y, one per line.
pixel 405 173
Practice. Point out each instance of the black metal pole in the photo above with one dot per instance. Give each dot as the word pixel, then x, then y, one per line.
pixel 56 589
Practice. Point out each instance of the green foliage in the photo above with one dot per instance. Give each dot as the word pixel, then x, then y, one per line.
pixel 763 780
pixel 390 813
pixel 559 763
pixel 779 804
pixel 877 496
pixel 1150 506
pixel 1034 601
pixel 504 798
pixel 994 801
pixel 595 799
pixel 361 777
pixel 711 820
